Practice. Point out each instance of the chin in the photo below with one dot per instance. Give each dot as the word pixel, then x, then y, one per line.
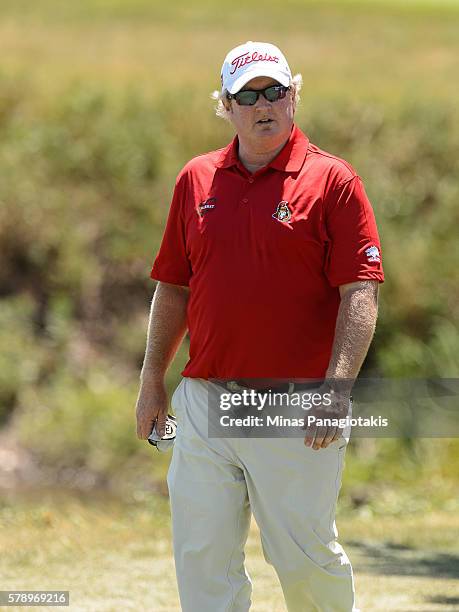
pixel 275 133
pixel 268 130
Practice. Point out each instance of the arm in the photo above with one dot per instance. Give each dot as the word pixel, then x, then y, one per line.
pixel 355 326
pixel 166 328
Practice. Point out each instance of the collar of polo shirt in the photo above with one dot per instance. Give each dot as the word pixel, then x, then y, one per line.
pixel 289 159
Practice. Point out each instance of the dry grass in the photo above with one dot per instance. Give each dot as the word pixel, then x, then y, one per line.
pixel 121 43
pixel 114 556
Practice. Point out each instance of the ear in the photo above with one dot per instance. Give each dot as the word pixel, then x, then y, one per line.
pixel 227 105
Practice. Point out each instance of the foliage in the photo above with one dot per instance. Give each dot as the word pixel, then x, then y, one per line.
pixel 91 139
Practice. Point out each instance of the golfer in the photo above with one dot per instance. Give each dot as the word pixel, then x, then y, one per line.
pixel 271 261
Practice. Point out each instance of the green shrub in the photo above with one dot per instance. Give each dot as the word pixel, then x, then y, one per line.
pixel 88 166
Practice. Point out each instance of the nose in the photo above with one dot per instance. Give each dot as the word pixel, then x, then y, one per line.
pixel 262 102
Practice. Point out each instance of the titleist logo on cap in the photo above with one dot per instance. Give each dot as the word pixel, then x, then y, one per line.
pixel 247 58
pixel 254 59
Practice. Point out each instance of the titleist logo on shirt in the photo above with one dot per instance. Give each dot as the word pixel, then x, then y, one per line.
pixel 246 58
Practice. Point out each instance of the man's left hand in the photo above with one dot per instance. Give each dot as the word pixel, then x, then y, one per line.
pixel 335 405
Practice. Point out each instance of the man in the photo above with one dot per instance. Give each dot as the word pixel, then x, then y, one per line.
pixel 271 260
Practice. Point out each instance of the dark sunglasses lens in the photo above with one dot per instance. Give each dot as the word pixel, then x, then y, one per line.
pixel 274 93
pixel 246 98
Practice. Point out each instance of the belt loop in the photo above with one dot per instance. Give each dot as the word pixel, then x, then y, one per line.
pixel 291 387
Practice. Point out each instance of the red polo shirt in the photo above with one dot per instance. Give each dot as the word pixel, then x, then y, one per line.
pixel 263 255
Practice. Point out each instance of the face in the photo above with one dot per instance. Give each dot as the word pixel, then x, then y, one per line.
pixel 265 125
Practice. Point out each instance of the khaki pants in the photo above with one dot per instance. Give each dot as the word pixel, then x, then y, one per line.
pixel 215 484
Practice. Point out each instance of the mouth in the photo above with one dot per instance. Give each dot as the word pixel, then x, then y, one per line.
pixel 264 121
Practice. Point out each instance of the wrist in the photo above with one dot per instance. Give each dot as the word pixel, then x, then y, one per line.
pixel 151 378
pixel 339 386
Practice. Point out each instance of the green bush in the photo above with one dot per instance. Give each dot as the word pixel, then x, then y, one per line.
pixel 88 166
pixel 81 424
pixel 22 358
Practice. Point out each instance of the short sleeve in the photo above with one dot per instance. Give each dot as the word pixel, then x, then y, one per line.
pixel 354 249
pixel 172 264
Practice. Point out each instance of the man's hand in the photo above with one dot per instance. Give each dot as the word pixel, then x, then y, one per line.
pixel 151 408
pixel 166 328
pixel 335 405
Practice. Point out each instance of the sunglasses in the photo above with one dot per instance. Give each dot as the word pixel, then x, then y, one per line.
pixel 248 97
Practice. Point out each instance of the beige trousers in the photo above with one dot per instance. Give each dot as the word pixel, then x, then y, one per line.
pixel 215 484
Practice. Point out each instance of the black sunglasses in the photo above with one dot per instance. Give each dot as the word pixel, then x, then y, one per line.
pixel 248 97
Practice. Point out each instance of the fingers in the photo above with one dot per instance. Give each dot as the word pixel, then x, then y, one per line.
pixel 161 423
pixel 337 435
pixel 310 435
pixel 151 410
pixel 146 419
pixel 330 436
pixel 318 435
pixel 321 432
pixel 321 437
pixel 314 437
pixel 144 426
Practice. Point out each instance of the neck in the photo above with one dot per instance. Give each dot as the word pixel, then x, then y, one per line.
pixel 253 158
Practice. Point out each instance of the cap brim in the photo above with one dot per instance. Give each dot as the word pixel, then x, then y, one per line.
pixel 259 71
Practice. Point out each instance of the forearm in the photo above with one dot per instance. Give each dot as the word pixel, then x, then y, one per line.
pixel 355 326
pixel 166 328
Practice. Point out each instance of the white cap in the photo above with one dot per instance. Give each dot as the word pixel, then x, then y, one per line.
pixel 251 60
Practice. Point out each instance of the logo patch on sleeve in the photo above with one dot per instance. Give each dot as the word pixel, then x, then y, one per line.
pixel 206 206
pixel 283 212
pixel 372 254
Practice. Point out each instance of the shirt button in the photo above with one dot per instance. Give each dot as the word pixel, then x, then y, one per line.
pixel 251 180
pixel 245 200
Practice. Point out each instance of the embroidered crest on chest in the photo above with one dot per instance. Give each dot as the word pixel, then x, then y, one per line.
pixel 283 212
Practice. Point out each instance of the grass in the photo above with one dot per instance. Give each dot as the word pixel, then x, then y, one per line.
pixel 122 43
pixel 114 555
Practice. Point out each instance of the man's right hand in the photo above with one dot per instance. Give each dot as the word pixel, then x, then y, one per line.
pixel 152 406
